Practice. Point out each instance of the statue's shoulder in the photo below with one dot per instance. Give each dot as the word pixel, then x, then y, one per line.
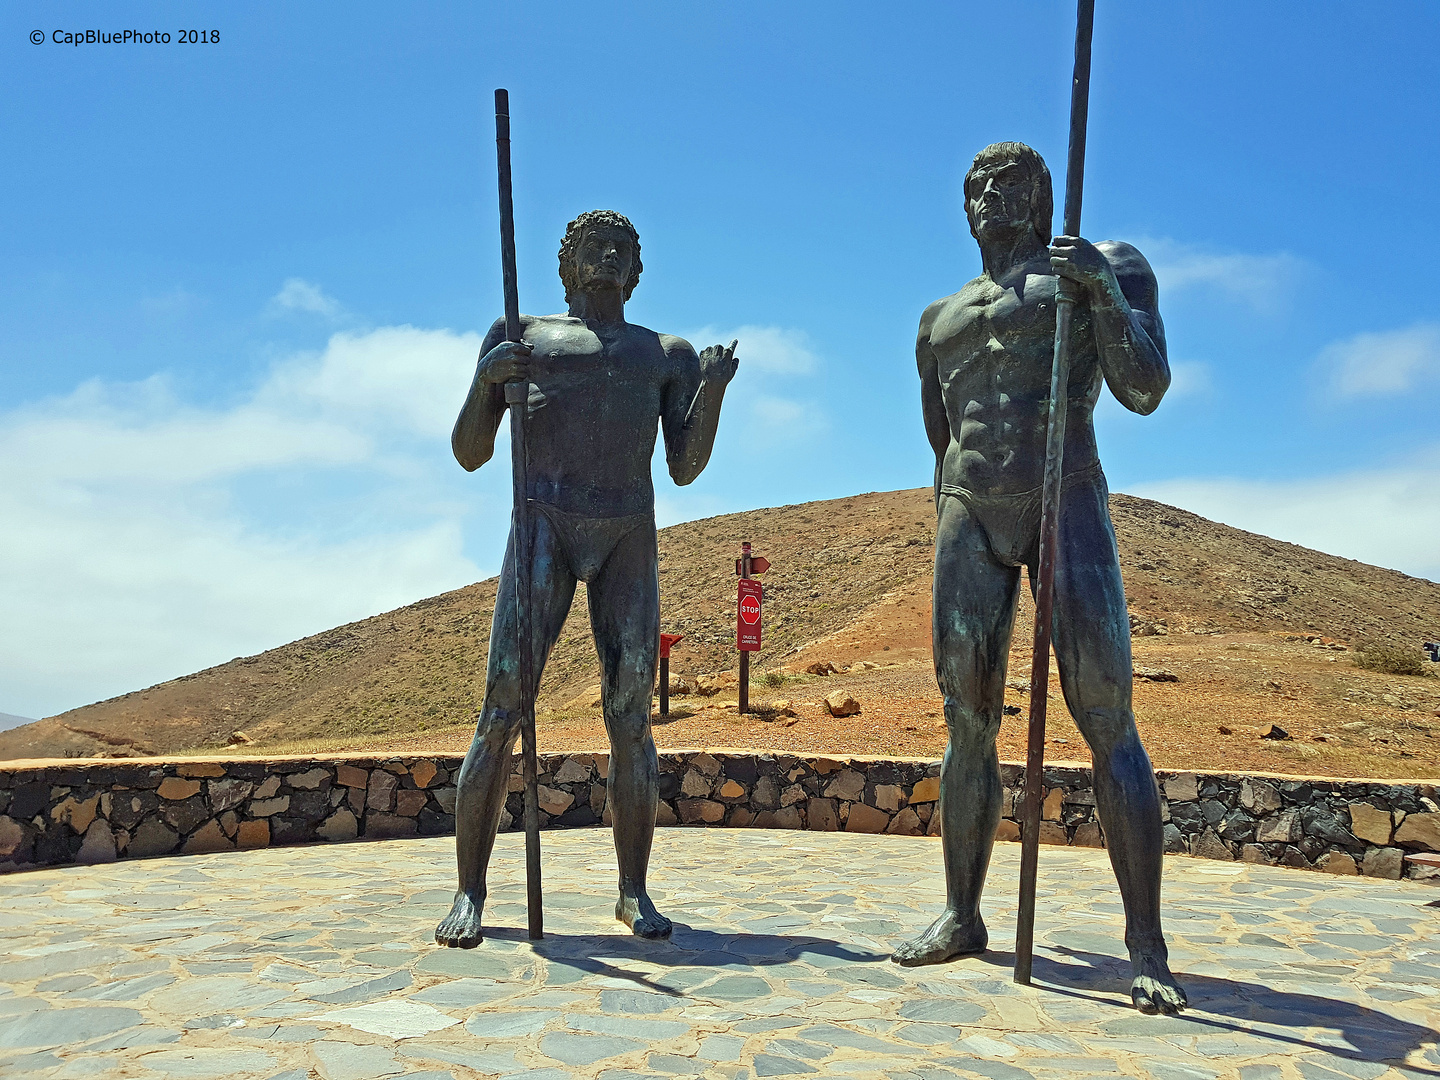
pixel 675 347
pixel 1132 270
pixel 948 304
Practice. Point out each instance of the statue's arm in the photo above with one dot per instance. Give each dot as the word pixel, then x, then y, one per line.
pixel 473 440
pixel 1125 310
pixel 932 398
pixel 690 404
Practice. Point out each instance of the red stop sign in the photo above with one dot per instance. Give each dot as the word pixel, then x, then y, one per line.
pixel 747 615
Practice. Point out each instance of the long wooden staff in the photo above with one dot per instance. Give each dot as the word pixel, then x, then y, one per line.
pixel 516 396
pixel 1067 293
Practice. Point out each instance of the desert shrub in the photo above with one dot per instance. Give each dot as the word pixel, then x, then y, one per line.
pixel 1391 659
pixel 773 679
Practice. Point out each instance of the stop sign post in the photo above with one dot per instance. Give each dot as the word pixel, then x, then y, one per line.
pixel 747 615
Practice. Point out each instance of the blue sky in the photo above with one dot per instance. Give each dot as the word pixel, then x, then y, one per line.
pixel 241 283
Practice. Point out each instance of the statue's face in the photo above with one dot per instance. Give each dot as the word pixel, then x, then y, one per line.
pixel 604 258
pixel 998 200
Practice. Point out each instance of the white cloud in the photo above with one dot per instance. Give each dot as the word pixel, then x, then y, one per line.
pixel 1389 362
pixel 297 294
pixel 1261 282
pixel 768 350
pixel 136 548
pixel 1385 517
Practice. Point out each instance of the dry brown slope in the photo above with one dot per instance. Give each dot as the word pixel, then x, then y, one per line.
pixel 837 565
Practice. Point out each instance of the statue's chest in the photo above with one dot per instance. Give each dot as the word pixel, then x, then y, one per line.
pixel 1003 335
pixel 589 371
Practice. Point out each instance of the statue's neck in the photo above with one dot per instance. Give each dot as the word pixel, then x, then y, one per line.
pixel 603 307
pixel 1003 253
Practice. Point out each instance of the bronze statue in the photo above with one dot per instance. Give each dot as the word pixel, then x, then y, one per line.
pixel 984 356
pixel 597 388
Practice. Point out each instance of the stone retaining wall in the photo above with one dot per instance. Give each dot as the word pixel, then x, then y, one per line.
pixel 96 811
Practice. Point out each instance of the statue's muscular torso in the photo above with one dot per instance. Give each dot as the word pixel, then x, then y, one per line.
pixel 990 347
pixel 595 399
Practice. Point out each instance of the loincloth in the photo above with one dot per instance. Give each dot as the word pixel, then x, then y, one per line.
pixel 1011 523
pixel 586 542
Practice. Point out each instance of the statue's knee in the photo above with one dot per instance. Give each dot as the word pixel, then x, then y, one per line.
pixel 971 728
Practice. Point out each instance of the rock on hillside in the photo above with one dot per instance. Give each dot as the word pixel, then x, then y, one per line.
pixel 839 566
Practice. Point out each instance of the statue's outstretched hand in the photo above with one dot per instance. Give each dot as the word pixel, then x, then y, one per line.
pixel 1082 262
pixel 507 362
pixel 718 364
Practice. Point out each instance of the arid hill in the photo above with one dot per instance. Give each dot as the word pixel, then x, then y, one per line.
pixel 850 582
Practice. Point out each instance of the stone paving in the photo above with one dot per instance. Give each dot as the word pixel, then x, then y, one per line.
pixel 295 962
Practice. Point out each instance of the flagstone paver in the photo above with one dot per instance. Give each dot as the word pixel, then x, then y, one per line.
pixel 293 963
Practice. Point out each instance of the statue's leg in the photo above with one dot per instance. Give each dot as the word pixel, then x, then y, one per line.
pixel 484 777
pixel 1092 650
pixel 974 611
pixel 625 615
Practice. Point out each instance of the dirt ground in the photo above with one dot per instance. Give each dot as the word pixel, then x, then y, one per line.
pixel 1254 632
pixel 1229 690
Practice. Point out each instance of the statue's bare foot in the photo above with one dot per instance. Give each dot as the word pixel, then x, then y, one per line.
pixel 461 928
pixel 638 913
pixel 1154 989
pixel 948 936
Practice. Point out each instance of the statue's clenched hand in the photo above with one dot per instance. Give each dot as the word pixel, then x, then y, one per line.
pixel 507 362
pixel 1082 262
pixel 718 364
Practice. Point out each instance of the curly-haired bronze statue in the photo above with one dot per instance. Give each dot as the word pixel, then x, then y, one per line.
pixel 985 359
pixel 598 386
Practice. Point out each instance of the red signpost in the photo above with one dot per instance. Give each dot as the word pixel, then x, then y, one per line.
pixel 747 616
pixel 666 642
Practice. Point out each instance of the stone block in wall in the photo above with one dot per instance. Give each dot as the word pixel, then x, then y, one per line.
pixel 1254 853
pixel 926 790
pixel 766 794
pixel 786 818
pixel 352 776
pixel 173 787
pixel 200 769
pixel 1370 824
pixel 1337 862
pixel 906 823
pixel 152 837
pixel 1208 845
pixel 1383 862
pixel 425 772
pixel 380 793
pixel 695 785
pixel 738 817
pixel 1087 834
pixel 1050 808
pixel 433 822
pixel 268 789
pixel 1420 831
pixel 253 834
pixel 185 816
pixel 848 785
pixel 268 807
pixel 380 826
pixel 409 802
pixel 1237 826
pixel 1182 787
pixel 225 794
pixel 823 815
pixel 445 796
pixel 889 797
pixel 1258 797
pixel 571 771
pixel 1007 829
pixel 664 814
pixel 1052 832
pixel 553 801
pixel 866 819
pixel 206 839
pixel 98 845
pixel 706 764
pixel 1174 840
pixel 340 825
pixel 310 780
pixel 1279 828
pixel 731 790
pixel 700 811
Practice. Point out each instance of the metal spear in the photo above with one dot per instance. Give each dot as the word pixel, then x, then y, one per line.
pixel 1067 293
pixel 517 395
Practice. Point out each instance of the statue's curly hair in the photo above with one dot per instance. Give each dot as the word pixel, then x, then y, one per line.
pixel 576 229
pixel 1042 197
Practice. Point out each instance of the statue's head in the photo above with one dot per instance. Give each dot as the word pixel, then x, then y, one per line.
pixel 601 249
pixel 1008 186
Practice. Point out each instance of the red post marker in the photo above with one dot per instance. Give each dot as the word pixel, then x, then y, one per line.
pixel 666 641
